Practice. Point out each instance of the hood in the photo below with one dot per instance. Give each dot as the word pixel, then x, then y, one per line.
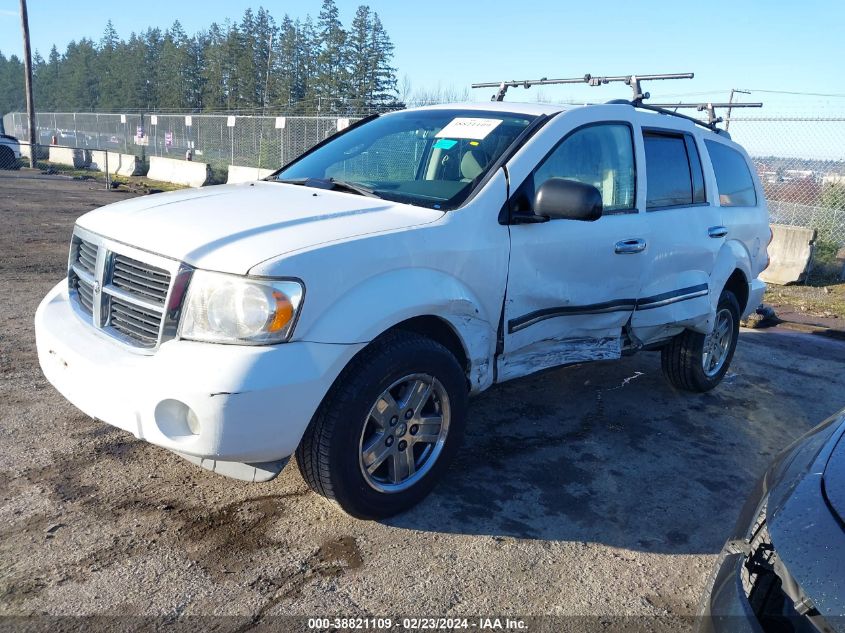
pixel 231 228
pixel 834 480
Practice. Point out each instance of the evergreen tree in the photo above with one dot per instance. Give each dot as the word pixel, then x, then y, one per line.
pixel 213 72
pixel 296 67
pixel 360 60
pixel 285 70
pixel 384 84
pixel 332 79
pixel 308 45
pixel 172 69
pixel 79 80
pixel 112 88
pixel 11 84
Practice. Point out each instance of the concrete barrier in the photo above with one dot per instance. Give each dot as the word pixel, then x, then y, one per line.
pixel 120 164
pixel 790 254
pixel 69 156
pixel 43 150
pixel 180 172
pixel 246 174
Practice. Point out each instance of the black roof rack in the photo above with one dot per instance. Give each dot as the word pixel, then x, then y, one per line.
pixel 634 81
pixel 669 108
pixel 709 107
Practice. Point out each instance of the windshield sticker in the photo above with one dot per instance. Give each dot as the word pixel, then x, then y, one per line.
pixel 465 127
pixel 445 143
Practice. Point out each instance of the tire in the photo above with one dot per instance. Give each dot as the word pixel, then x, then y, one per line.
pixel 684 357
pixel 359 447
pixel 7 159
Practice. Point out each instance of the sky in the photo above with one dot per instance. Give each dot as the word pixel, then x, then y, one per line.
pixel 757 44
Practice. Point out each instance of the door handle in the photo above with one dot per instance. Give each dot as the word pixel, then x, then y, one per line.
pixel 629 247
pixel 717 231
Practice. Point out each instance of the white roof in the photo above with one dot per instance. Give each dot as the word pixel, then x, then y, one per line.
pixel 514 107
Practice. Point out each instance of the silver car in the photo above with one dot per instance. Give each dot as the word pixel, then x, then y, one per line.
pixel 784 567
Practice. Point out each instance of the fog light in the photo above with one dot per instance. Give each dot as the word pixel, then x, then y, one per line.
pixel 176 419
pixel 193 422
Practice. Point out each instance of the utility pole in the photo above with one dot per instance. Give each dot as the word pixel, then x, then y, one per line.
pixel 27 67
pixel 731 100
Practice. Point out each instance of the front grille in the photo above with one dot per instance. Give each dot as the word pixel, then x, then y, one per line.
pixel 86 255
pixel 126 296
pixel 137 278
pixel 137 323
pixel 85 294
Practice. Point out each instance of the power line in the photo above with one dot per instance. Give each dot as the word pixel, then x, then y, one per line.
pixel 801 94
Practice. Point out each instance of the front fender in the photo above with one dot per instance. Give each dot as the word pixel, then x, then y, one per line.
pixel 380 302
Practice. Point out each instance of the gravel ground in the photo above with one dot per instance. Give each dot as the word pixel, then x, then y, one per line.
pixel 591 490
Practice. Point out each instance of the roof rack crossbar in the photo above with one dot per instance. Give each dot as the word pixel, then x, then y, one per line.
pixel 631 80
pixel 709 107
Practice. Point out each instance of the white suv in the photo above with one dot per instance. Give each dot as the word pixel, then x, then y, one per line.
pixel 344 308
pixel 10 152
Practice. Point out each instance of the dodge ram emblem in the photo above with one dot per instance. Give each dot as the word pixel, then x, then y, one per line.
pixel 96 287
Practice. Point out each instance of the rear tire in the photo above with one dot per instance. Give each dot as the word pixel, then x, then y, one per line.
pixel 374 446
pixel 697 362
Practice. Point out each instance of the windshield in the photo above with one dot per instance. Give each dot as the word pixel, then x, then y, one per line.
pixel 430 158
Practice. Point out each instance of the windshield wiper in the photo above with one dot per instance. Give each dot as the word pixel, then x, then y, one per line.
pixel 352 187
pixel 331 183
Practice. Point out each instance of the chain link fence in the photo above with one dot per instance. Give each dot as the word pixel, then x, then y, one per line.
pixel 801 163
pixel 801 160
pixel 264 142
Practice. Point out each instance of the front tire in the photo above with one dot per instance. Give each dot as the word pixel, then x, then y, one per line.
pixel 7 159
pixel 387 429
pixel 697 362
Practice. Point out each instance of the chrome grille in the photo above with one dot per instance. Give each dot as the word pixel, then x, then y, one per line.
pixel 84 294
pixel 137 323
pixel 86 255
pixel 140 279
pixel 121 289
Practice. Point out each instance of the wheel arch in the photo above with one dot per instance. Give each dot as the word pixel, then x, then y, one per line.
pixel 732 271
pixel 737 283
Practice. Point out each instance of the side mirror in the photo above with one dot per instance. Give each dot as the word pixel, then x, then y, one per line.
pixel 559 198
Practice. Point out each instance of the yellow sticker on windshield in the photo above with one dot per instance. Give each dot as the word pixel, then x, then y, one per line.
pixel 468 128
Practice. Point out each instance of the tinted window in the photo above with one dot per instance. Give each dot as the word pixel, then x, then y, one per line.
pixel 733 178
pixel 598 155
pixel 673 170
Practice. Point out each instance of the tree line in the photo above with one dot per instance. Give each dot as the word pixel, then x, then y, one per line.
pixel 297 66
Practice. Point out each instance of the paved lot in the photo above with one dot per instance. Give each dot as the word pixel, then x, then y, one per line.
pixel 594 489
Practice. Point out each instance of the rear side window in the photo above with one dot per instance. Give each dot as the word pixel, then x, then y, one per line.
pixel 673 170
pixel 733 178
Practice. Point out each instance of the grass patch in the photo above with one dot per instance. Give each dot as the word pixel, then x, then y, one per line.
pixel 815 299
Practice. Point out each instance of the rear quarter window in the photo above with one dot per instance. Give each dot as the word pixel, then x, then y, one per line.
pixel 733 178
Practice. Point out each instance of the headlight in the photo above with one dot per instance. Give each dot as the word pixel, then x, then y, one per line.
pixel 223 308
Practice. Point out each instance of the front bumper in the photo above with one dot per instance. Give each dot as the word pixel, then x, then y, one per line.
pixel 252 403
pixel 726 608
